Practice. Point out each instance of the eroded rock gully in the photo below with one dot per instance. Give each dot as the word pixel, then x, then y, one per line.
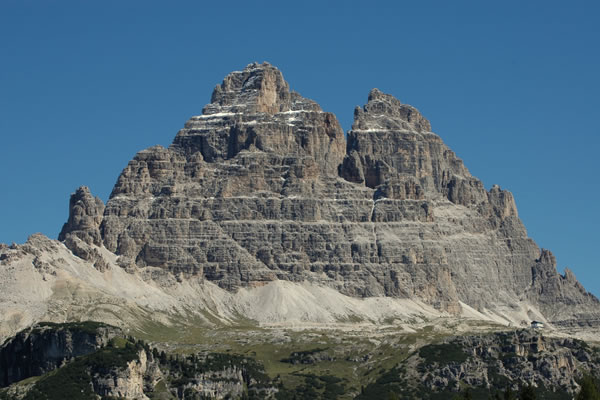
pixel 264 186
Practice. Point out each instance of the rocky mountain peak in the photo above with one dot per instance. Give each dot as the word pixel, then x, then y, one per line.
pixel 263 186
pixel 254 109
pixel 85 216
pixel 257 88
pixel 384 112
pixel 547 258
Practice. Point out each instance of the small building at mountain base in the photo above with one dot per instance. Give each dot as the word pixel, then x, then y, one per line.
pixel 537 325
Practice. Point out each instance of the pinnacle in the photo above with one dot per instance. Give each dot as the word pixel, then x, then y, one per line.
pixel 384 111
pixel 257 88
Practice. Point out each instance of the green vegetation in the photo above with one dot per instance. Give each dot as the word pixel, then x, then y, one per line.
pixel 160 392
pixel 303 364
pixel 90 327
pixel 314 387
pixel 527 393
pixel 389 384
pixel 73 381
pixel 443 354
pixel 302 357
pixel 590 389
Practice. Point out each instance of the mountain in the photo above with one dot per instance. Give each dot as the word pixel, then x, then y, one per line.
pixel 266 254
pixel 263 209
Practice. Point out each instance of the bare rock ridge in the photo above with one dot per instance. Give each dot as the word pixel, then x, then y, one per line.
pixel 254 109
pixel 85 216
pixel 264 186
pixel 45 347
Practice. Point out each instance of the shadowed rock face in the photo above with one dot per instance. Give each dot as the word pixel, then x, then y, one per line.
pixel 44 348
pixel 85 217
pixel 264 186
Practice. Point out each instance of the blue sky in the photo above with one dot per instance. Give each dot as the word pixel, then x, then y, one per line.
pixel 512 87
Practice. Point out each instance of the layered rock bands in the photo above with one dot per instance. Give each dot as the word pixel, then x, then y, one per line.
pixel 264 185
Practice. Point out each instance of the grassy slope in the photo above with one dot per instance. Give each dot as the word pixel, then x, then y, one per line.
pixel 359 356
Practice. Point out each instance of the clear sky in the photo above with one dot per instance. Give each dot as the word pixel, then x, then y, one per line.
pixel 512 87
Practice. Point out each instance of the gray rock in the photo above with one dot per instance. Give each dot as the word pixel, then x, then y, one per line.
pixel 85 216
pixel 47 346
pixel 493 361
pixel 263 186
pixel 82 229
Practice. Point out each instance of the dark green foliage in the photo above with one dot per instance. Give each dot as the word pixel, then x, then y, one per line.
pixel 496 379
pixel 531 392
pixel 302 357
pixel 508 394
pixel 389 382
pixel 443 354
pixel 466 395
pixel 74 380
pixel 527 393
pixel 90 327
pixel 35 351
pixel 112 357
pixel 506 357
pixel 314 387
pixel 589 389
pixel 70 382
pixel 163 358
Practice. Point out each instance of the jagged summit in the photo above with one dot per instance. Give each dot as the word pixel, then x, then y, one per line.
pixel 385 112
pixel 264 188
pixel 258 88
pixel 254 109
pixel 85 217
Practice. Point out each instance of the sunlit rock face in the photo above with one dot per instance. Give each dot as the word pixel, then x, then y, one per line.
pixel 264 186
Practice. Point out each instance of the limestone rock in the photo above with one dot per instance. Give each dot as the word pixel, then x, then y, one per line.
pixel 126 383
pixel 254 109
pixel 81 232
pixel 85 216
pixel 45 347
pixel 263 186
pixel 493 361
pixel 561 298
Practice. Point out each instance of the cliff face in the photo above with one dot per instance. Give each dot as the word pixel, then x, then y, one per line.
pixel 91 361
pixel 46 347
pixel 490 364
pixel 263 186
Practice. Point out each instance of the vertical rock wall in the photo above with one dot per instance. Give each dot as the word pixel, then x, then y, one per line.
pixel 264 186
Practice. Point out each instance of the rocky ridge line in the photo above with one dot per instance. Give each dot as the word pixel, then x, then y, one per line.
pixel 263 186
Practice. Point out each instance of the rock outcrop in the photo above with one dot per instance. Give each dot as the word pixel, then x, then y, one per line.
pixel 91 360
pixel 263 186
pixel 128 382
pixel 85 216
pixel 45 347
pixel 490 364
pixel 81 232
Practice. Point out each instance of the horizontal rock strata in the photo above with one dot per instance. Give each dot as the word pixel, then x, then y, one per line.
pixel 264 186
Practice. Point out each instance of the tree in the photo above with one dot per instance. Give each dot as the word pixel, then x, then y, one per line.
pixel 527 393
pixel 497 396
pixel 464 396
pixel 508 394
pixel 392 396
pixel 589 390
pixel 163 358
